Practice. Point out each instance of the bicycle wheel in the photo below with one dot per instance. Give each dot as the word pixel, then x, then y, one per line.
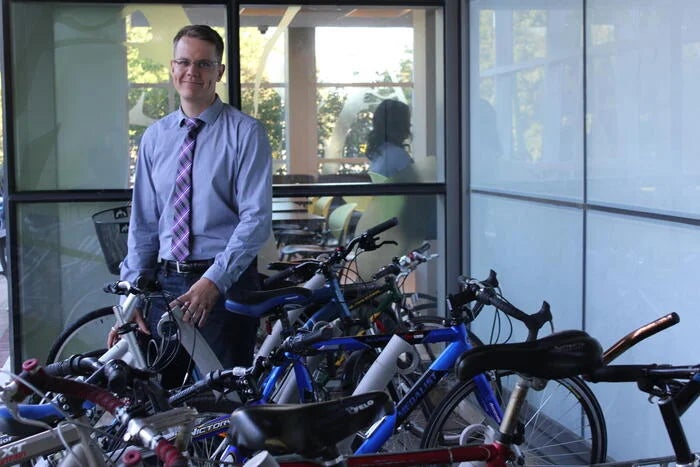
pixel 87 334
pixel 208 443
pixel 563 423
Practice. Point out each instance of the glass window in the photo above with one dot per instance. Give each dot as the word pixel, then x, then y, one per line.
pixel 536 251
pixel 643 103
pixel 61 269
pixel 316 75
pixel 526 102
pixel 327 221
pixel 631 264
pixel 87 82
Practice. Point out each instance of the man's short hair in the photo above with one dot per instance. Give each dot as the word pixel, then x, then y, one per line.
pixel 202 32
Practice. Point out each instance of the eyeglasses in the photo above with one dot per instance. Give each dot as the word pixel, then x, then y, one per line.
pixel 205 65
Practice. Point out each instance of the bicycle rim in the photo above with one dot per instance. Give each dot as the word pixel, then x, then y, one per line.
pixel 85 335
pixel 563 423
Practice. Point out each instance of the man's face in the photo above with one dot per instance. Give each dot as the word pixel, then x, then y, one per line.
pixel 194 83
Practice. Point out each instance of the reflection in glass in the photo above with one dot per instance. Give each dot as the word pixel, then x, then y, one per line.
pixel 336 65
pixel 61 270
pixel 120 54
pixel 642 104
pixel 526 105
pixel 326 220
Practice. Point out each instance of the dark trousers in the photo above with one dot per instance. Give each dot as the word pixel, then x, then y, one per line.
pixel 230 335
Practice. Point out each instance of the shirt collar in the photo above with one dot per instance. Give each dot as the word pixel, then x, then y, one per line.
pixel 209 116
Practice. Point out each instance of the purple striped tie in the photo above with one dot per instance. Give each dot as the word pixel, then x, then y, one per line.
pixel 182 198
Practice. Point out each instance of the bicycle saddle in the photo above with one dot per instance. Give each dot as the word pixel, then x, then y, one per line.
pixel 560 355
pixel 309 430
pixel 260 303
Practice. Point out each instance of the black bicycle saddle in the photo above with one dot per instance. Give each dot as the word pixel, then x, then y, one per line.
pixel 260 303
pixel 559 355
pixel 305 429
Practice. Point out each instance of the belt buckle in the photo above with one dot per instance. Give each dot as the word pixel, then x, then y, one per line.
pixel 177 268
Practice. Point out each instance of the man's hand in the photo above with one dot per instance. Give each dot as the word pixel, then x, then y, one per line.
pixel 113 336
pixel 197 302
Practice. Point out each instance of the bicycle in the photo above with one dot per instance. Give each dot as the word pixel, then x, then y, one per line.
pixel 674 388
pixel 560 355
pixel 71 440
pixel 381 371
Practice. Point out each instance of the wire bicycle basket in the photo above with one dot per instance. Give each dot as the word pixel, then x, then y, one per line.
pixel 112 228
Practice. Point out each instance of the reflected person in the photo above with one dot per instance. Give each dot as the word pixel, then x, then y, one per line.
pixel 391 127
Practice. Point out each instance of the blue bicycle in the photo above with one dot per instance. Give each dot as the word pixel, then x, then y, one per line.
pixel 417 387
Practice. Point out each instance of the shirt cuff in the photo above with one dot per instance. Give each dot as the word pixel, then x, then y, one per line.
pixel 220 277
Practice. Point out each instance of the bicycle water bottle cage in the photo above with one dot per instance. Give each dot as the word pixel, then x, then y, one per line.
pixel 560 355
pixel 305 429
pixel 258 304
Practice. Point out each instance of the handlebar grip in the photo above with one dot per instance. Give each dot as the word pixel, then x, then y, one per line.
pixel 169 454
pixel 301 342
pixel 379 228
pixel 75 365
pixel 147 284
pixel 117 288
pixel 385 271
pixel 423 248
pixel 638 335
pixel 301 268
pixel 184 395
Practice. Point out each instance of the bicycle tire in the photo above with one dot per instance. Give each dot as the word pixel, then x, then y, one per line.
pixel 213 415
pixel 86 334
pixel 564 424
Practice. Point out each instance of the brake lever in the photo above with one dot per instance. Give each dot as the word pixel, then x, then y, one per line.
pixel 387 242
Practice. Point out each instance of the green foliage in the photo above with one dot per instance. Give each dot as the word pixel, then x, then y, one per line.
pixel 270 112
pixel 330 103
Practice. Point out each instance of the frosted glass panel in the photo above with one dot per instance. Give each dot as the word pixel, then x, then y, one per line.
pixel 61 270
pixel 643 102
pixel 637 271
pixel 536 251
pixel 526 109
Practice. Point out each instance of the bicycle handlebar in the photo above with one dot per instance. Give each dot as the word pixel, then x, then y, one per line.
pixel 638 335
pixel 34 374
pixel 301 343
pixel 484 293
pixel 406 263
pixel 379 228
pixel 367 240
pixel 142 285
pixel 236 378
pixel 388 270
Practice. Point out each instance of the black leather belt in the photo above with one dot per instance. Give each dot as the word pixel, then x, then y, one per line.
pixel 187 267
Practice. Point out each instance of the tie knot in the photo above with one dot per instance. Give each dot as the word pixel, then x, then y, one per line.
pixel 194 124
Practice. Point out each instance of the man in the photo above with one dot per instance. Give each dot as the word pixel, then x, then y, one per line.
pixel 199 232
